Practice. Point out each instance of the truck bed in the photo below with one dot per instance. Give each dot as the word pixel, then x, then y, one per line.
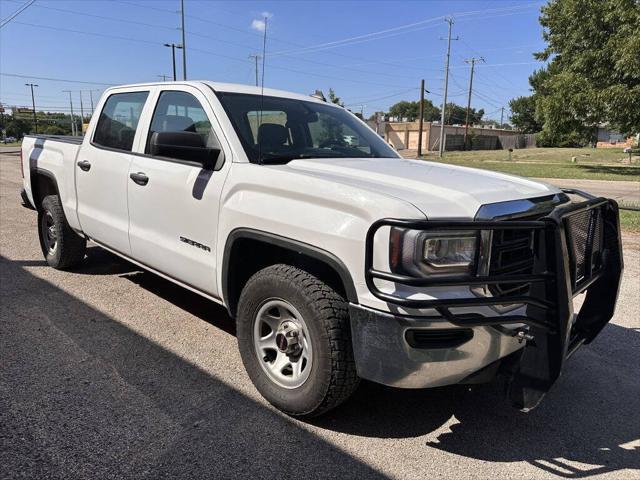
pixel 53 156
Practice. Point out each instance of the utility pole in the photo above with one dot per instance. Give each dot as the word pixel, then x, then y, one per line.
pixel 73 120
pixel 173 47
pixel 449 20
pixel 81 115
pixel 33 103
pixel 421 118
pixel 163 77
pixel 256 57
pixel 91 98
pixel 501 115
pixel 472 61
pixel 184 43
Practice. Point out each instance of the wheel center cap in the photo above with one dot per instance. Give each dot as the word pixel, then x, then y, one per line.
pixel 287 338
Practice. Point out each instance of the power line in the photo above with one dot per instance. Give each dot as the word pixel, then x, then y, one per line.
pixel 63 80
pixel 105 17
pixel 6 20
pixel 148 42
pixel 402 28
pixel 104 35
pixel 381 98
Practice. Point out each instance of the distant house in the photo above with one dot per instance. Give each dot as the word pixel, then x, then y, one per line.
pixel 608 138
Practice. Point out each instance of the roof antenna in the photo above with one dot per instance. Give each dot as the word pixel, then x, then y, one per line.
pixel 264 54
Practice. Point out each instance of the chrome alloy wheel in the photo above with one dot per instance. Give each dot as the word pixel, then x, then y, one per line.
pixel 50 233
pixel 282 343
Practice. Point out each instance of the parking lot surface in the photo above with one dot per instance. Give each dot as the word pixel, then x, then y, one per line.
pixel 107 371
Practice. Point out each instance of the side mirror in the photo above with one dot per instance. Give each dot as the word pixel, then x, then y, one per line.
pixel 188 146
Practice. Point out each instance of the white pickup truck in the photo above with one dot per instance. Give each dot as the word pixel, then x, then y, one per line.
pixel 338 259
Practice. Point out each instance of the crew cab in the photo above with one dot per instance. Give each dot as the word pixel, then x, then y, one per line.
pixel 339 259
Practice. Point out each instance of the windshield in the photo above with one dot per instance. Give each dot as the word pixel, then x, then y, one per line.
pixel 275 129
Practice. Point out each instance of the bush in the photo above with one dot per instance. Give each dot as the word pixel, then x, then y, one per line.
pixel 565 140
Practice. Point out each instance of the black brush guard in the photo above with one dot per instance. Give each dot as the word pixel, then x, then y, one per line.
pixel 557 276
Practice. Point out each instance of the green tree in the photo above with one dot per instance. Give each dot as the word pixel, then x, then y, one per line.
pixel 334 99
pixel 523 114
pixel 411 111
pixel 17 127
pixel 455 114
pixel 593 74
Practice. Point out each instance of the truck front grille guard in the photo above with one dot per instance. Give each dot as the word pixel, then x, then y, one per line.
pixel 577 249
pixel 558 273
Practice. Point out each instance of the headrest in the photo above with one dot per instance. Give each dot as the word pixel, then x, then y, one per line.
pixel 272 134
pixel 176 123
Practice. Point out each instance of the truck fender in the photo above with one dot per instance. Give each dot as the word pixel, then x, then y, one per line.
pixel 286 250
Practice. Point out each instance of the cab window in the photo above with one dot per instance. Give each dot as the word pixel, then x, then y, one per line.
pixel 119 119
pixel 181 112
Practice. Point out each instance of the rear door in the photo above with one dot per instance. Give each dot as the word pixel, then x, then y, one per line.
pixel 102 170
pixel 174 202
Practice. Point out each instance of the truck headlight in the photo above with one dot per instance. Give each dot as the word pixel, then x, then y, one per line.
pixel 433 252
pixel 450 252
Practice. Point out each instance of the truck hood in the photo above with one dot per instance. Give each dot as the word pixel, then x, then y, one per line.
pixel 438 190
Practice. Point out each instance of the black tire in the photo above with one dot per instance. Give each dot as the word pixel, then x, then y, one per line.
pixel 332 378
pixel 69 247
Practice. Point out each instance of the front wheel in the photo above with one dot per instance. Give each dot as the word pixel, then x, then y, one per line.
pixel 61 246
pixel 295 341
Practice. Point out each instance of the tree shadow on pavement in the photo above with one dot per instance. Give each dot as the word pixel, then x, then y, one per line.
pixel 84 396
pixel 588 424
pixel 586 417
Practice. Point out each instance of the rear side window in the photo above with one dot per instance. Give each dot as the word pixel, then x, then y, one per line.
pixel 119 119
pixel 181 112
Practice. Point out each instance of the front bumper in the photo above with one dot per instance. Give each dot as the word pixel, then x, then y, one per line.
pixel 422 352
pixel 567 261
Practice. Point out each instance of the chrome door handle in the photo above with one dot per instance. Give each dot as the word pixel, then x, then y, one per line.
pixel 84 165
pixel 140 178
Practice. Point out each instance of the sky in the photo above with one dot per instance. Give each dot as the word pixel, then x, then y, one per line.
pixel 372 53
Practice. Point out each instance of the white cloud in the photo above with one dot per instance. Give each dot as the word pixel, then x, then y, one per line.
pixel 259 23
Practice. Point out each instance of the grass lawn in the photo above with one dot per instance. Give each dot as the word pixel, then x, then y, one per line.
pixel 592 164
pixel 11 144
pixel 630 221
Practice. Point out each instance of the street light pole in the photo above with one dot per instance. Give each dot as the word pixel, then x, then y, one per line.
pixel 33 103
pixel 173 56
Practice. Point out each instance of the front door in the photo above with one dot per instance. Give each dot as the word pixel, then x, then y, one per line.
pixel 173 202
pixel 102 171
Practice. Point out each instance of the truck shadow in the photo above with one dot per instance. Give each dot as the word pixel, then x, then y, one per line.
pixel 82 395
pixel 587 425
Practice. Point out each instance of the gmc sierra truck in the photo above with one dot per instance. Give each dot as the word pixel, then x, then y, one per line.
pixel 338 259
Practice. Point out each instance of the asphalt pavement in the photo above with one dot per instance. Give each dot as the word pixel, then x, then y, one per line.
pixel 107 371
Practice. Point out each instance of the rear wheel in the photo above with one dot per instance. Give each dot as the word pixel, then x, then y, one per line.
pixel 295 341
pixel 61 246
